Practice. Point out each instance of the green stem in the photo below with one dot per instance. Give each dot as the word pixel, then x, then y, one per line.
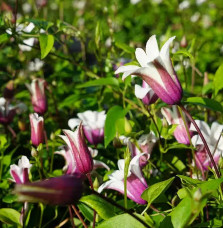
pixel 41 214
pixel 126 169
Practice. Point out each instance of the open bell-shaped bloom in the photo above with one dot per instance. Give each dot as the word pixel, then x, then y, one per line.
pixel 20 172
pixel 37 129
pixel 7 111
pixel 93 125
pixel 173 117
pixel 79 151
pixel 214 140
pixel 63 190
pixel 156 70
pixel 145 93
pixel 136 183
pixel 38 96
pixel 71 167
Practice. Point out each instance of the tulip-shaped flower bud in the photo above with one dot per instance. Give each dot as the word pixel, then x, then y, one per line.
pixel 37 129
pixel 7 112
pixel 156 70
pixel 78 147
pixel 38 96
pixel 20 172
pixel 63 190
pixel 145 93
pixel 173 117
pixel 93 125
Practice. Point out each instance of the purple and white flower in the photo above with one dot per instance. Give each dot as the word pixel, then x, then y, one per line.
pixel 20 172
pixel 145 93
pixel 70 166
pixel 7 111
pixel 214 139
pixel 173 117
pixel 156 70
pixel 37 129
pixel 136 183
pixel 38 96
pixel 78 150
pixel 93 125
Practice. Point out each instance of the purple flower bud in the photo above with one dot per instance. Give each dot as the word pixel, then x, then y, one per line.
pixel 37 129
pixel 64 190
pixel 7 112
pixel 80 152
pixel 156 70
pixel 20 172
pixel 38 96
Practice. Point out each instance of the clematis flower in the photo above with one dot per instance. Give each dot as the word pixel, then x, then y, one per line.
pixel 136 183
pixel 63 190
pixel 145 93
pixel 214 140
pixel 79 152
pixel 7 112
pixel 156 70
pixel 37 129
pixel 93 125
pixel 173 117
pixel 145 145
pixel 20 172
pixel 71 167
pixel 38 96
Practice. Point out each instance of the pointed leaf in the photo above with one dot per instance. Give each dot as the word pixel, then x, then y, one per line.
pixel 10 216
pixel 102 207
pixel 218 79
pixel 46 44
pixel 124 221
pixel 151 193
pixel 115 113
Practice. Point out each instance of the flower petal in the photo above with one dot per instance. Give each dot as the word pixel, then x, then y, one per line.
pixel 72 123
pixel 152 49
pixel 141 57
pixel 165 55
pixel 141 92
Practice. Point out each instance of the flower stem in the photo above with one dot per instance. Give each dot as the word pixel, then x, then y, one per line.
pixel 92 187
pixel 203 140
pixel 79 216
pixel 120 207
pixel 71 217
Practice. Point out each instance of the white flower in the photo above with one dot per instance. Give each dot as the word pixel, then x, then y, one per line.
pixel 184 5
pixel 212 136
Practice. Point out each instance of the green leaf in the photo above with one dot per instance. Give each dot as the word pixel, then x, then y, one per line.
pixel 100 82
pixel 189 180
pixel 115 113
pixel 46 44
pixel 181 214
pixel 41 24
pixel 122 221
pixel 4 37
pixel 210 186
pixel 125 47
pixel 178 163
pixel 212 223
pixel 10 216
pixel 218 79
pixel 207 88
pixel 205 102
pixel 151 193
pixel 102 207
pixel 86 211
